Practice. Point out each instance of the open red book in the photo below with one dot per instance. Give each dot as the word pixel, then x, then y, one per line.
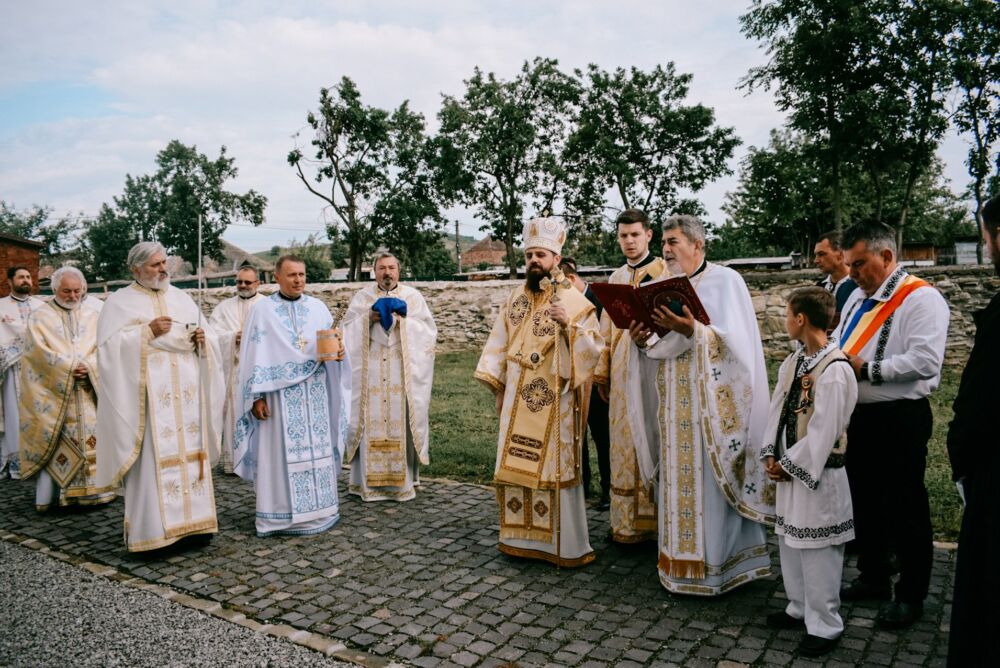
pixel 624 303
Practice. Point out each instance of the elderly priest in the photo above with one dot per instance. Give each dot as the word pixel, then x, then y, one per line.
pixel 160 408
pixel 59 398
pixel 698 408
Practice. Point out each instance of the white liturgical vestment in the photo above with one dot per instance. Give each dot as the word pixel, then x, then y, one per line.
pixel 159 415
pixel 14 314
pixel 392 376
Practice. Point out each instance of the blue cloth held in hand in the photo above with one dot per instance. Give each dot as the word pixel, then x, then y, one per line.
pixel 386 306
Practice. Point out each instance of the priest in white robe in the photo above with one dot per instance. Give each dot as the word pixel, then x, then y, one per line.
pixel 227 319
pixel 289 440
pixel 698 408
pixel 390 336
pixel 15 309
pixel 59 385
pixel 159 413
pixel 538 360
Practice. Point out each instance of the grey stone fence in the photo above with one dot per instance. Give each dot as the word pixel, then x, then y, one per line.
pixel 465 311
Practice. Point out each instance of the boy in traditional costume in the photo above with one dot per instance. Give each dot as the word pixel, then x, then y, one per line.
pixel 804 453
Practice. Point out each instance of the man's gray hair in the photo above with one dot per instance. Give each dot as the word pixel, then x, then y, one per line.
pixel 876 236
pixel 690 226
pixel 139 254
pixel 62 272
pixel 383 254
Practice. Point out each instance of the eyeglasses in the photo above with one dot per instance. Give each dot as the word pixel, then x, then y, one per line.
pixel 245 282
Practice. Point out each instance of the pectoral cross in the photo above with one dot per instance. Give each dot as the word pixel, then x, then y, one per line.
pixel 300 343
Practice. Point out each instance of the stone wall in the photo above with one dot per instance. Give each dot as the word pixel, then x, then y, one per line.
pixel 465 311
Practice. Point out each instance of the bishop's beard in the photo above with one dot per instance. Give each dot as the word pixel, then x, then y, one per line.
pixel 534 276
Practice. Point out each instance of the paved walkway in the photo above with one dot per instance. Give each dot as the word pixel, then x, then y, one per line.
pixel 423 583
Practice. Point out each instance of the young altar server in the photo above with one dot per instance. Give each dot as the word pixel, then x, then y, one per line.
pixel 804 451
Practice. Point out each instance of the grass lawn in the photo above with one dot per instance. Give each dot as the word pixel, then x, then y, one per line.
pixel 464 435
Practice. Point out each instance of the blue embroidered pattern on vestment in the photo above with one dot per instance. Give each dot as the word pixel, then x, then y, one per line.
pixel 303 495
pixel 286 371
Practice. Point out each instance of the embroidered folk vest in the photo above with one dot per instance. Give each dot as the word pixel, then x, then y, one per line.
pixel 800 406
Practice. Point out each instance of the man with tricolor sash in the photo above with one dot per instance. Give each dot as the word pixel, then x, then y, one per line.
pixel 893 329
pixel 537 360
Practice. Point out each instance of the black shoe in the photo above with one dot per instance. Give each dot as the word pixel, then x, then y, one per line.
pixel 859 590
pixel 816 646
pixel 899 615
pixel 604 503
pixel 783 620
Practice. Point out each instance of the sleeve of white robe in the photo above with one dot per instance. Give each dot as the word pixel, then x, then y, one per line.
pixel 771 439
pixel 836 394
pixel 418 335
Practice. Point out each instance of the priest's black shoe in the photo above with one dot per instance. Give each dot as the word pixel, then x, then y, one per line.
pixel 783 620
pixel 604 503
pixel 899 615
pixel 860 590
pixel 816 646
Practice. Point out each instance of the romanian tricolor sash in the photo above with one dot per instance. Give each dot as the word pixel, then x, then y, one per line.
pixel 865 324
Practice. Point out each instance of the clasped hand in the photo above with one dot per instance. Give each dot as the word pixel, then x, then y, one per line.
pixel 558 313
pixel 260 409
pixel 774 470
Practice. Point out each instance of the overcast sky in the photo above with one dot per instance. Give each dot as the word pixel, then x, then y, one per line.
pixel 90 91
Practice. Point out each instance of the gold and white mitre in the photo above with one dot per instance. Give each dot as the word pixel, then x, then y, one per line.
pixel 548 233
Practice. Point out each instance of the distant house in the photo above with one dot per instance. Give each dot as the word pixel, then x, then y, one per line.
pixel 963 251
pixel 790 261
pixel 487 251
pixel 18 251
pixel 918 254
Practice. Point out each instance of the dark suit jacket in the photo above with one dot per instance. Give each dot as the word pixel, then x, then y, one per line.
pixel 589 294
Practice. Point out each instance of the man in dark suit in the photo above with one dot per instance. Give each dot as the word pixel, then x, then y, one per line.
pixel 829 258
pixel 975 465
pixel 597 416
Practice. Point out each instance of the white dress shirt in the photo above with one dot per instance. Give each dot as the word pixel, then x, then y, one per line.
pixel 905 356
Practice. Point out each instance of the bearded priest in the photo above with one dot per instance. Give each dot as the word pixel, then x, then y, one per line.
pixel 698 407
pixel 15 309
pixel 59 398
pixel 538 358
pixel 390 336
pixel 228 319
pixel 160 411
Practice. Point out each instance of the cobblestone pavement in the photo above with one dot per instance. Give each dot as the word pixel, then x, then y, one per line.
pixel 423 583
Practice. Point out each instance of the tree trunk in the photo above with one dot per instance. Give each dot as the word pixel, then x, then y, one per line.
pixel 978 193
pixel 508 240
pixel 838 213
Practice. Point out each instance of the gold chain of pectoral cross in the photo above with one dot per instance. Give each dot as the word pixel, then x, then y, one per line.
pixel 300 342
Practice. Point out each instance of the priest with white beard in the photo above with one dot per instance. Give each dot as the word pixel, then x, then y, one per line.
pixel 289 440
pixel 159 413
pixel 227 319
pixel 698 408
pixel 390 337
pixel 59 385
pixel 15 309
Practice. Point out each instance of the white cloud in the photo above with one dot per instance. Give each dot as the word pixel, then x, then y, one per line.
pixel 245 74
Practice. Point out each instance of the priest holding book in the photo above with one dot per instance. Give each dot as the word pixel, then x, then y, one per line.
pixel 698 405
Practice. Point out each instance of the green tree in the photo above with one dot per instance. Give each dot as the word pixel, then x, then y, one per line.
pixel 315 256
pixel 976 62
pixel 867 82
pixel 375 165
pixel 637 138
pixel 500 146
pixel 165 205
pixel 104 245
pixel 33 223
